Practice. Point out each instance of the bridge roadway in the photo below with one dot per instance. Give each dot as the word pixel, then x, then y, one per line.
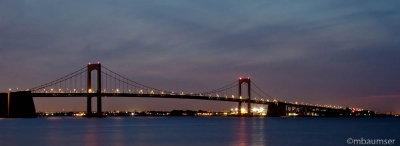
pixel 180 96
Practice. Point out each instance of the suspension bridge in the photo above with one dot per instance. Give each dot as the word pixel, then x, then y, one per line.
pixel 113 84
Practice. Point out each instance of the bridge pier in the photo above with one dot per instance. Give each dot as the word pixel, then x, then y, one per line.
pixel 241 81
pixel 89 105
pixel 240 108
pixel 99 109
pixel 276 109
pixel 17 105
pixel 92 67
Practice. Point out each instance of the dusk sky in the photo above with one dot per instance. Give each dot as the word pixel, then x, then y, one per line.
pixel 320 52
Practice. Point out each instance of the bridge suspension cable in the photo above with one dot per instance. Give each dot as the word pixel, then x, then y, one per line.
pixel 221 89
pixel 258 91
pixel 127 84
pixel 113 82
pixel 69 80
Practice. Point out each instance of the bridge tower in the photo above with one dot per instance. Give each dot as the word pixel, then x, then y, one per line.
pixel 241 81
pixel 91 67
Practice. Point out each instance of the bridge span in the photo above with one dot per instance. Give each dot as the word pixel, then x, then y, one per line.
pixel 112 84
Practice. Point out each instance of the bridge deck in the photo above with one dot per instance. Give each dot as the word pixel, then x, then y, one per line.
pixel 176 96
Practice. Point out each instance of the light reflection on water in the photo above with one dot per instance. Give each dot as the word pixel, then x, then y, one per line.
pixel 193 131
pixel 241 134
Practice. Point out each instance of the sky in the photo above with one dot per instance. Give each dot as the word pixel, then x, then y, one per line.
pixel 334 52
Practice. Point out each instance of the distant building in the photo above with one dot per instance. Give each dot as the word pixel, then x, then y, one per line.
pixel 391 113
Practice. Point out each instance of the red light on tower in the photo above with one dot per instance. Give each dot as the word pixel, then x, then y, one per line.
pixel 352 111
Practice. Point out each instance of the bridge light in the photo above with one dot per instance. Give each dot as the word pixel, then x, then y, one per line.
pixel 9 89
pixel 90 90
pixel 240 78
pixel 254 109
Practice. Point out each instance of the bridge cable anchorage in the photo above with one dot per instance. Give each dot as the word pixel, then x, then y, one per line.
pixel 60 80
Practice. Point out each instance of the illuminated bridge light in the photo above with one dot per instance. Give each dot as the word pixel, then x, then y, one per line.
pixel 233 96
pixel 243 110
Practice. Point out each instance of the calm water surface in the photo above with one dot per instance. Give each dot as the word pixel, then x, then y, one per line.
pixel 192 131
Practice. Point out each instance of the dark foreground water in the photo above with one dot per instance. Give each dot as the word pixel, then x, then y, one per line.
pixel 194 131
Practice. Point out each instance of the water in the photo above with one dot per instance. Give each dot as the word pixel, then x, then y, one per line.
pixel 194 131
